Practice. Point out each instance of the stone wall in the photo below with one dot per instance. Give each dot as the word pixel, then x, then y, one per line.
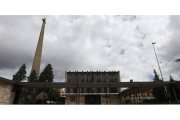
pixel 6 95
pixel 73 99
pixel 109 99
pixel 82 100
pixel 114 99
pixel 70 99
pixel 104 100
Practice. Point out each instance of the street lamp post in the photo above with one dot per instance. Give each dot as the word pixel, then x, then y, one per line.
pixel 166 94
pixel 157 61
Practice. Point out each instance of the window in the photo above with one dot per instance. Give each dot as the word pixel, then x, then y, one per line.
pixel 98 90
pixel 74 90
pixel 82 80
pixel 113 90
pixel 111 80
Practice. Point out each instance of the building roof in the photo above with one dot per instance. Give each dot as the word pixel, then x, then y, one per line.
pixel 7 80
pixel 144 85
pixel 92 71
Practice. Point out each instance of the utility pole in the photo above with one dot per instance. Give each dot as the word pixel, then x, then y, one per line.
pixel 166 94
pixel 157 60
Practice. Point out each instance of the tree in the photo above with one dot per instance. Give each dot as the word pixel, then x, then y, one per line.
pixel 54 94
pixel 159 92
pixel 177 60
pixel 171 78
pixel 21 74
pixel 47 74
pixel 173 91
pixel 32 77
pixel 156 76
pixel 30 95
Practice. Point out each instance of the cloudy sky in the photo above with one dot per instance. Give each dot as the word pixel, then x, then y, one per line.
pixel 93 43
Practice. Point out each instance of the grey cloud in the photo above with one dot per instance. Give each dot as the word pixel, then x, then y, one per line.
pixel 17 35
pixel 81 43
pixel 170 51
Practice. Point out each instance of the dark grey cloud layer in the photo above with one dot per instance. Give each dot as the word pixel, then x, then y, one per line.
pixel 92 43
pixel 171 50
pixel 17 35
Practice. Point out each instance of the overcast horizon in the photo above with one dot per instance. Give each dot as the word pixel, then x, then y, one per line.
pixel 92 43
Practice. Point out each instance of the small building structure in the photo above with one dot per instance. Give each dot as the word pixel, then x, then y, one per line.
pixel 85 95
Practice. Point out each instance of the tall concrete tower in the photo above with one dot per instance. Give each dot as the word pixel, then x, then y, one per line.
pixel 38 53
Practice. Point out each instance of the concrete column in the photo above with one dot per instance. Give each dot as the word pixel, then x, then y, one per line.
pixel 38 53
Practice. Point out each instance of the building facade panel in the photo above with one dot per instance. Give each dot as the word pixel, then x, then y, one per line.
pixel 92 77
pixel 6 94
pixel 92 95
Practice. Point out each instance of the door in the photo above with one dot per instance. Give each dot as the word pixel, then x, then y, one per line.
pixel 92 99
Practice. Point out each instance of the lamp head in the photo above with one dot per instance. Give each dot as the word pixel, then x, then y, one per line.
pixel 44 20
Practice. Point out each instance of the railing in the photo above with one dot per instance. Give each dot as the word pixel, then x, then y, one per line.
pixel 95 85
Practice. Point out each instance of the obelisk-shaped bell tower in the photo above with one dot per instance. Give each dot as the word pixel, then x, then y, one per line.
pixel 38 53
